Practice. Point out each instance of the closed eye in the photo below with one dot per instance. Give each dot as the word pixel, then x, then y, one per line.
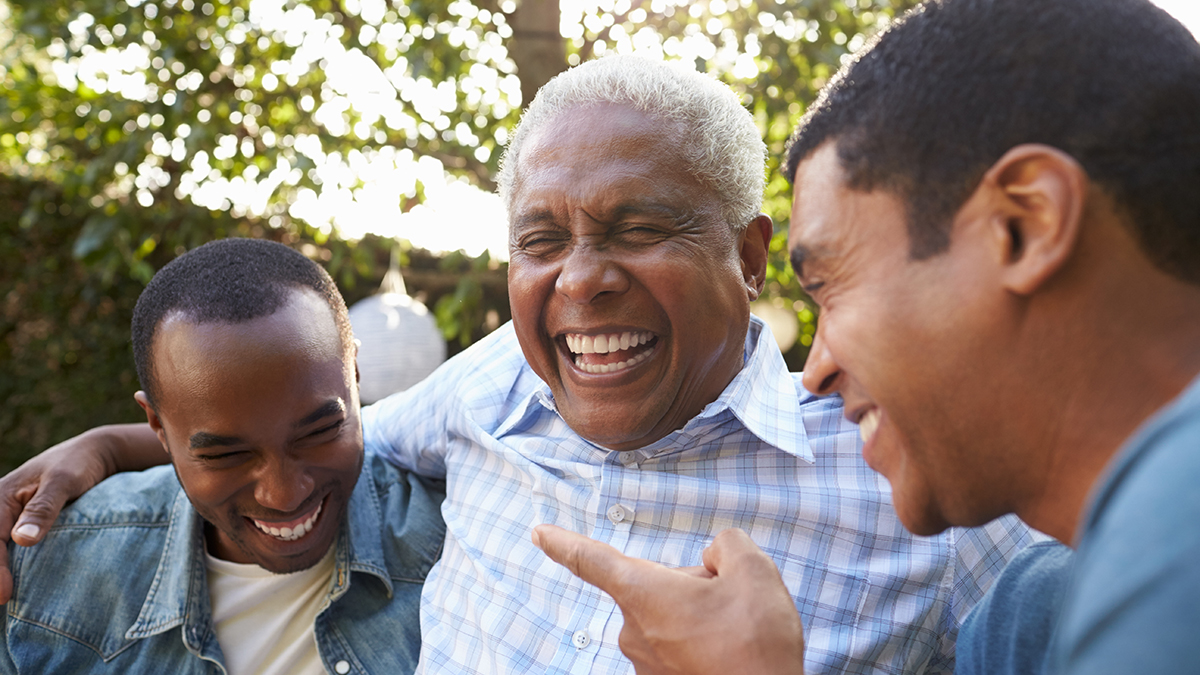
pixel 336 426
pixel 222 457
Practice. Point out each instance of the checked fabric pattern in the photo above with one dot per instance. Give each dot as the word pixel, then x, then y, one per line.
pixel 767 457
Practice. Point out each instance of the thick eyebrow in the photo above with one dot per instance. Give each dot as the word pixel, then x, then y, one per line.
pixel 202 439
pixel 532 218
pixel 334 406
pixel 621 210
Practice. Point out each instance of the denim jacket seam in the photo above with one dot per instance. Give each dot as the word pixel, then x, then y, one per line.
pixel 74 638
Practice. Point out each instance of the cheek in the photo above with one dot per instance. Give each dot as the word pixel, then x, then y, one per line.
pixel 212 491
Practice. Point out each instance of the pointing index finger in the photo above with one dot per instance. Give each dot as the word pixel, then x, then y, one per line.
pixel 596 563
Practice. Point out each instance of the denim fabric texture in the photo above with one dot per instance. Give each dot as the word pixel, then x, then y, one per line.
pixel 119 584
pixel 1010 630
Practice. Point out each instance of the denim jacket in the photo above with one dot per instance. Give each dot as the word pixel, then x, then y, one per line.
pixel 119 583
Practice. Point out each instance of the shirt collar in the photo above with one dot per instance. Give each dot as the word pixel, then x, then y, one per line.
pixel 762 396
pixel 180 580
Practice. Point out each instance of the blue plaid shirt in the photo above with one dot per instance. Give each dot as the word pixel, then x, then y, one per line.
pixel 766 456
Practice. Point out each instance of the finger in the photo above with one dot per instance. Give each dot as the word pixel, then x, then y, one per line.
pixel 6 582
pixel 596 563
pixel 38 515
pixel 732 550
pixel 699 571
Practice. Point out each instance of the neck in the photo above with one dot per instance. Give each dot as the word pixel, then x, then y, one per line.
pixel 1118 353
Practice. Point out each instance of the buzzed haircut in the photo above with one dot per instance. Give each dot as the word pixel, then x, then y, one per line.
pixel 227 281
pixel 940 96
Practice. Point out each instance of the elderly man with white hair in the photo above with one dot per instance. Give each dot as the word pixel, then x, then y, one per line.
pixel 634 399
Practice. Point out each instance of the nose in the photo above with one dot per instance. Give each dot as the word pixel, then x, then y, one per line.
pixel 283 485
pixel 822 376
pixel 588 273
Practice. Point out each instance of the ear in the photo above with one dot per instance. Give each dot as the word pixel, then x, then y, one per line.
pixel 1041 194
pixel 753 244
pixel 356 344
pixel 152 418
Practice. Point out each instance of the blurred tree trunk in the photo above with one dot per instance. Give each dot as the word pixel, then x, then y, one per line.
pixel 536 45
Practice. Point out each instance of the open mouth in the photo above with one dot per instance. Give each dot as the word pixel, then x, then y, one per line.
pixel 291 530
pixel 610 352
pixel 868 424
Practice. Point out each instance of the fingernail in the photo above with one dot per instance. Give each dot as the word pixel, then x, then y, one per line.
pixel 537 541
pixel 29 531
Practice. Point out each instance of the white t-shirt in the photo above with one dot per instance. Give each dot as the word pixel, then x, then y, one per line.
pixel 264 621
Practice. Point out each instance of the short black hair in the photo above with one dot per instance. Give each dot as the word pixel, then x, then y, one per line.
pixel 227 281
pixel 941 95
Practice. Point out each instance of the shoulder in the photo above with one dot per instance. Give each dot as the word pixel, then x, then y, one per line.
pixel 141 497
pixel 482 382
pixel 1009 630
pixel 409 508
pixel 1133 603
pixel 87 579
pixel 112 524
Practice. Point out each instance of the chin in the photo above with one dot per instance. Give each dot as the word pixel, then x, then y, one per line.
pixel 919 516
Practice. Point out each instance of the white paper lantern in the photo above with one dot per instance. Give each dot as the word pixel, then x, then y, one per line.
pixel 399 341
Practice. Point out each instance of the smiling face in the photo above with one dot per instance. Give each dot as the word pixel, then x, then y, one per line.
pixel 913 346
pixel 630 294
pixel 261 421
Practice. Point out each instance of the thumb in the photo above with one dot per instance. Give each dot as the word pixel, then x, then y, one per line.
pixel 732 551
pixel 37 515
pixel 596 563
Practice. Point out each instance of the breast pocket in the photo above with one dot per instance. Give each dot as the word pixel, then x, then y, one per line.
pixel 831 604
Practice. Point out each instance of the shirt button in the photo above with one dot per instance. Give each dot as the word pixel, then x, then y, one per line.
pixel 580 639
pixel 342 667
pixel 619 514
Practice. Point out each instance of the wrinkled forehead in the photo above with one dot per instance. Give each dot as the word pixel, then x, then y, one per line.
pixel 594 130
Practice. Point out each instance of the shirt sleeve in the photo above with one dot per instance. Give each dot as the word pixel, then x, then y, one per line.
pixel 409 428
pixel 979 556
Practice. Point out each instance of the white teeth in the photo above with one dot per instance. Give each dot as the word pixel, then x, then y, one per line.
pixel 604 344
pixel 611 367
pixel 288 533
pixel 869 424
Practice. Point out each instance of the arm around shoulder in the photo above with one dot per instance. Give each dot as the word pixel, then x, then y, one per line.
pixel 32 495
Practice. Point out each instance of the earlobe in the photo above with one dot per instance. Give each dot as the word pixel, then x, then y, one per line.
pixel 1042 192
pixel 754 243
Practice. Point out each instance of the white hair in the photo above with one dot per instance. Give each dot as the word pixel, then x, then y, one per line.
pixel 719 141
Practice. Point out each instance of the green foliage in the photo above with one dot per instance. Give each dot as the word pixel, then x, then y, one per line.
pixel 66 365
pixel 214 118
pixel 64 324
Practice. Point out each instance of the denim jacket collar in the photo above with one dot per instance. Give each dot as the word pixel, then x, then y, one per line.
pixel 179 592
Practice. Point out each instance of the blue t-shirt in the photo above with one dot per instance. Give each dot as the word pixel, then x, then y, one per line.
pixel 1133 605
pixel 1008 632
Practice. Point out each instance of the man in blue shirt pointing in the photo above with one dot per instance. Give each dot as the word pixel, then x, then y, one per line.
pixel 997 207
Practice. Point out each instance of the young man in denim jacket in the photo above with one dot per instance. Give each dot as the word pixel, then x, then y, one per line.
pixel 281 552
